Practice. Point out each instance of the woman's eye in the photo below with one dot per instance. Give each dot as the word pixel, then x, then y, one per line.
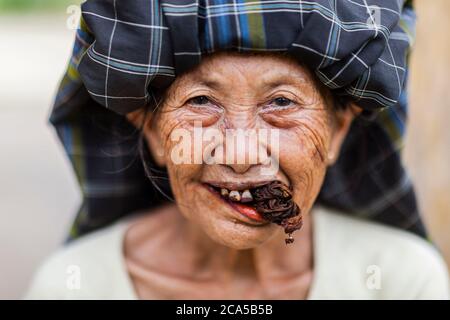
pixel 200 100
pixel 281 102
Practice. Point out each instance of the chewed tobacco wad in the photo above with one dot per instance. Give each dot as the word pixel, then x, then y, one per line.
pixel 274 202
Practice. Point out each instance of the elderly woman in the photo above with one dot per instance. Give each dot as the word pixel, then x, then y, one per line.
pixel 304 82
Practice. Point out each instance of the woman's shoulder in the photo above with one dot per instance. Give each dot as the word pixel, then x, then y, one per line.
pixel 91 267
pixel 389 262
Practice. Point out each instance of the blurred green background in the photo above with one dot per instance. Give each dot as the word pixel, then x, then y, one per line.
pixel 35 5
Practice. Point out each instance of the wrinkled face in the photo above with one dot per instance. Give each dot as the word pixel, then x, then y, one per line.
pixel 255 93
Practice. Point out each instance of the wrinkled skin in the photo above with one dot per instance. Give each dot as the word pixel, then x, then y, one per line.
pixel 201 238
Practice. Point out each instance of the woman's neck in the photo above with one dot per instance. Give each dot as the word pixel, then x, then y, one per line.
pixel 176 246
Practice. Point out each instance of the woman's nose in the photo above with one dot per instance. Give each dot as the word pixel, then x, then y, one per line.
pixel 245 151
pixel 244 142
pixel 240 168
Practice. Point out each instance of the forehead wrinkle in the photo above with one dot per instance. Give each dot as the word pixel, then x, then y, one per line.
pixel 264 84
pixel 221 75
pixel 202 79
pixel 279 81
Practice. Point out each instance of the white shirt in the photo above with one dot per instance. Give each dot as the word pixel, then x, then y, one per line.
pixel 353 259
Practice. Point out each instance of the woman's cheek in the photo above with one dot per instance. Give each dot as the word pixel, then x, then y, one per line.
pixel 183 184
pixel 176 138
pixel 182 131
pixel 302 160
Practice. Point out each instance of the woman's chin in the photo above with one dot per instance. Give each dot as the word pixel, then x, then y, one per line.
pixel 239 235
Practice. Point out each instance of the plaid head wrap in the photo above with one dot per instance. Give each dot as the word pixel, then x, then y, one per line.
pixel 126 51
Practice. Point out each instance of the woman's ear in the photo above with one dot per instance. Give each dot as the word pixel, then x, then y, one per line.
pixel 142 120
pixel 343 120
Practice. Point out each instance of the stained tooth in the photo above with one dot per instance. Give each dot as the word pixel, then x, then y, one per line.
pixel 224 192
pixel 235 196
pixel 246 196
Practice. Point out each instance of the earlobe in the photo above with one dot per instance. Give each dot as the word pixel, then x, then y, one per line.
pixel 155 146
pixel 137 118
pixel 331 157
pixel 141 120
pixel 342 125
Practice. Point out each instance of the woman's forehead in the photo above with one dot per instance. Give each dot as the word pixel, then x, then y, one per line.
pixel 266 71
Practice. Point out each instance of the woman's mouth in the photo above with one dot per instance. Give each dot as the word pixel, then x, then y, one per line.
pixel 262 203
pixel 239 200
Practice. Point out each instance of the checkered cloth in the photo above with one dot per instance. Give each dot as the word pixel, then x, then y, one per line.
pixel 126 52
